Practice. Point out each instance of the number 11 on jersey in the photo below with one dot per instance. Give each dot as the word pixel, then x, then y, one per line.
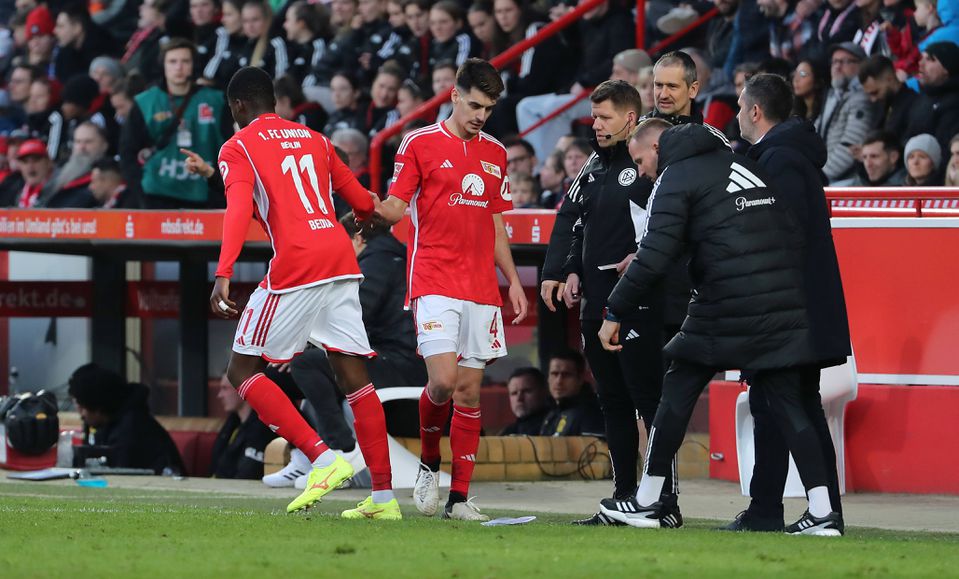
pixel 289 165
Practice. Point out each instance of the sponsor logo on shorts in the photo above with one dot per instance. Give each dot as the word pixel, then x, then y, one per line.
pixel 432 326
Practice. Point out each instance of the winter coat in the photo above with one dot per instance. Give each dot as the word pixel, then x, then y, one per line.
pixel 847 116
pixel 746 263
pixel 949 31
pixel 792 154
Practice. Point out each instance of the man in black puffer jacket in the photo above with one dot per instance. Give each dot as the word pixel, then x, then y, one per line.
pixel 748 308
pixel 792 154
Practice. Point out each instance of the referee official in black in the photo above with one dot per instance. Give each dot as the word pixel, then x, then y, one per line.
pixel 793 154
pixel 608 206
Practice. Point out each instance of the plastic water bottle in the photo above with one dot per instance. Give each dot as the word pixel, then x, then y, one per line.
pixel 65 448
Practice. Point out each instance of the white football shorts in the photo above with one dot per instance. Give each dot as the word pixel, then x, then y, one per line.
pixel 472 331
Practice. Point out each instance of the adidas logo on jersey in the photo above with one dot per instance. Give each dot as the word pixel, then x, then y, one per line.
pixel 741 179
pixel 446 165
pixel 632 335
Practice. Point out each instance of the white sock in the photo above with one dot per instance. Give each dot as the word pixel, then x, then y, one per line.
pixel 299 460
pixel 649 490
pixel 380 497
pixel 819 505
pixel 325 459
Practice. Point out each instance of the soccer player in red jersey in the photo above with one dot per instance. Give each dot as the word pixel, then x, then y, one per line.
pixel 453 178
pixel 283 174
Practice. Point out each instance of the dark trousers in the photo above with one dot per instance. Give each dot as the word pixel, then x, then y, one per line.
pixel 772 451
pixel 682 386
pixel 629 384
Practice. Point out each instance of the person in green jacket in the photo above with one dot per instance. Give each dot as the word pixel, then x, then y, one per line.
pixel 165 118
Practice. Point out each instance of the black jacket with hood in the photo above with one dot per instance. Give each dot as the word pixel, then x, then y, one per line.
pixel 793 154
pixel 746 257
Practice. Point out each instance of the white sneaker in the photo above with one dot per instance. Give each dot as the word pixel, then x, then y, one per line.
pixel 465 511
pixel 426 491
pixel 286 476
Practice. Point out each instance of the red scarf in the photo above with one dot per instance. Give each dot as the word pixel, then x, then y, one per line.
pixel 29 196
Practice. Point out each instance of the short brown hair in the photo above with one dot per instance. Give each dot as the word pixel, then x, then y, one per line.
pixel 177 43
pixel 623 95
pixel 479 74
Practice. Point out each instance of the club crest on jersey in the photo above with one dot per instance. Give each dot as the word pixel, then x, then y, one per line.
pixel 491 169
pixel 627 177
pixel 224 170
pixel 397 167
pixel 473 185
pixel 432 326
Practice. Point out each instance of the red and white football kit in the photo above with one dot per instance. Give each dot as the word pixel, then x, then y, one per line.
pixel 453 187
pixel 283 174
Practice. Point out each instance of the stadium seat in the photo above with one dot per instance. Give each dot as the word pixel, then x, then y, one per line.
pixel 839 385
pixel 404 463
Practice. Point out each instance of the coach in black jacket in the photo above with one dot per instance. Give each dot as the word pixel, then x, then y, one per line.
pixel 792 154
pixel 748 308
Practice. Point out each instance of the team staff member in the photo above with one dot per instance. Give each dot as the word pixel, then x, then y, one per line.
pixel 610 212
pixel 748 308
pixel 453 178
pixel 793 156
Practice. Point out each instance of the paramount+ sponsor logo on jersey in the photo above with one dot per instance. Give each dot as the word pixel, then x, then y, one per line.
pixel 472 186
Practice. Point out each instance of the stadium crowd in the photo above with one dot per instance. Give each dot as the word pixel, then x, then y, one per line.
pixel 94 107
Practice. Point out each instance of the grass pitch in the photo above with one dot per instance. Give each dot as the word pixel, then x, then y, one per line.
pixel 64 531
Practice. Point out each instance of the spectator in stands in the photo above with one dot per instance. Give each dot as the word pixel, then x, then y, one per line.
pixel 541 69
pixel 356 147
pixel 952 169
pixel 524 190
pixel 408 98
pixel 483 26
pixel 108 188
pixel 883 87
pixel 18 85
pixel 230 41
pixel 36 169
pixel 239 446
pixel 903 41
pixel 716 103
pixel 838 24
pixel 44 100
pixel 293 106
pixel 575 156
pixel 937 110
pixel 79 41
pixel 166 118
pixel 345 93
pixel 308 31
pixel 414 54
pixel 719 33
pixel 948 31
pixel 809 90
pixel 444 77
pixel 5 170
pixel 118 17
pixel 923 159
pixel 40 38
pixel 881 162
pixel 107 71
pixel 520 156
pixel 743 73
pixel 381 110
pixel 204 21
pixel 871 36
pixel 117 423
pixel 576 411
pixel 79 97
pixel 69 186
pixel 260 50
pixel 342 15
pixel 847 115
pixel 121 98
pixel 343 53
pixel 551 177
pixel 750 38
pixel 451 42
pixel 142 52
pixel 528 400
pixel 644 85
pixel 399 35
pixel 789 34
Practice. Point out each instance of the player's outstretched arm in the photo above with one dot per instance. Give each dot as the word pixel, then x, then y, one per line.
pixel 504 260
pixel 391 210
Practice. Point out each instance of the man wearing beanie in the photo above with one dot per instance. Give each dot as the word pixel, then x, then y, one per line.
pixel 78 96
pixel 937 111
pixel 923 160
pixel 39 35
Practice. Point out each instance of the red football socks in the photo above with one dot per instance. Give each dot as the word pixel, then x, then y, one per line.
pixel 278 413
pixel 433 418
pixel 370 425
pixel 464 441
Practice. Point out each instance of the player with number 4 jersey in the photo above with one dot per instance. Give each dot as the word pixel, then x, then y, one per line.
pixel 283 174
pixel 453 178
